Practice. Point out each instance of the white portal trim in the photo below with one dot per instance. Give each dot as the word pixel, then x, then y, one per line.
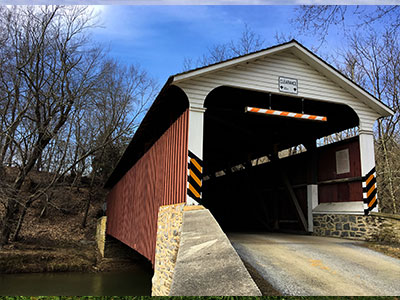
pixel 312 203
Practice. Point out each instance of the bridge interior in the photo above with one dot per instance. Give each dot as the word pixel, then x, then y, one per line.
pixel 243 194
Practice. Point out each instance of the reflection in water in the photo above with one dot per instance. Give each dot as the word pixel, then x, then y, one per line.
pixel 133 283
pixel 97 284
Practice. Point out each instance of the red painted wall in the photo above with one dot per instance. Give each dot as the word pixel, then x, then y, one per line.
pixel 158 178
pixel 327 160
pixel 339 192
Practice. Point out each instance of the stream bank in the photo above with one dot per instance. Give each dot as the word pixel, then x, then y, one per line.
pixel 73 269
pixel 83 256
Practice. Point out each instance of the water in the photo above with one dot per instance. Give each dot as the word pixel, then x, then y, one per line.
pixel 132 283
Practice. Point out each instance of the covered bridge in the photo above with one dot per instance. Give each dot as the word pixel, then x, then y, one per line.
pixel 216 136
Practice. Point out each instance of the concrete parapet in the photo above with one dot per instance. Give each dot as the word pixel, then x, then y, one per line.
pixel 207 264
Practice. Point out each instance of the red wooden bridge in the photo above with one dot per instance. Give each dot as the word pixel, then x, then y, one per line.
pixel 201 114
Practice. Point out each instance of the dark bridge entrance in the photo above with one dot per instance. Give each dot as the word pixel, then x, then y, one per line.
pixel 247 184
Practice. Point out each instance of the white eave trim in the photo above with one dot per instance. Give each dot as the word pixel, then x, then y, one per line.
pixel 231 62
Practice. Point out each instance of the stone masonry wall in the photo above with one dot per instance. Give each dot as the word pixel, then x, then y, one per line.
pixel 375 227
pixel 169 227
pixel 101 234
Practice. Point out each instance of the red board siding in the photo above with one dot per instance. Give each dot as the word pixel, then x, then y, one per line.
pixel 339 192
pixel 327 160
pixel 158 178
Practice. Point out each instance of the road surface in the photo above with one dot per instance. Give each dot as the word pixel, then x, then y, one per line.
pixel 302 265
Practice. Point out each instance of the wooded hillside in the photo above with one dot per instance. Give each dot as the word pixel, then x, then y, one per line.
pixel 67 110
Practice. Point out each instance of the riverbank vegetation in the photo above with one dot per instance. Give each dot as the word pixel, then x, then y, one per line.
pixel 51 238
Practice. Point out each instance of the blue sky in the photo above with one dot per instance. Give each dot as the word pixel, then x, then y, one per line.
pixel 160 37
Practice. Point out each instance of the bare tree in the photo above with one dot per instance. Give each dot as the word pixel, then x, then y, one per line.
pixel 61 101
pixel 318 19
pixel 248 42
pixel 49 72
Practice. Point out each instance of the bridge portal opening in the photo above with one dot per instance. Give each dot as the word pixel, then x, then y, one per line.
pixel 247 184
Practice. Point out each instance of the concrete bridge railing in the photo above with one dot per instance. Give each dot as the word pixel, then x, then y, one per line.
pixel 195 258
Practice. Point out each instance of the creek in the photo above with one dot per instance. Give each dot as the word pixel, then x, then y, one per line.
pixel 135 282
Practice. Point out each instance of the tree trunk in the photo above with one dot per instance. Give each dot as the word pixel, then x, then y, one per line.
pixel 8 221
pixel 12 206
pixel 21 219
pixel 389 176
pixel 85 215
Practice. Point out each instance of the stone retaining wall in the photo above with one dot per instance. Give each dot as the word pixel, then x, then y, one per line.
pixel 169 226
pixel 101 234
pixel 375 227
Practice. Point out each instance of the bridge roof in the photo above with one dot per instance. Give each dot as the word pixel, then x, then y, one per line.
pixel 304 54
pixel 150 129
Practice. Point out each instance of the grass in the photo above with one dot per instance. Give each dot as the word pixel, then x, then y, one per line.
pixel 390 250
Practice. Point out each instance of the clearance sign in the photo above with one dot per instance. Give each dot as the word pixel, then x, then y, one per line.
pixel 288 85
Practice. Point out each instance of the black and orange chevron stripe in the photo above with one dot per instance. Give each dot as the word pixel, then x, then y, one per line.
pixel 369 191
pixel 195 176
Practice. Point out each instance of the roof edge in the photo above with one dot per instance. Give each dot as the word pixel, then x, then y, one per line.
pixel 115 176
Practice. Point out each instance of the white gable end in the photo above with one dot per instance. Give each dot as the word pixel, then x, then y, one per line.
pixel 262 75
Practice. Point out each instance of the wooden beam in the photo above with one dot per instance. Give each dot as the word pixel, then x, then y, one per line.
pixel 341 180
pixel 294 198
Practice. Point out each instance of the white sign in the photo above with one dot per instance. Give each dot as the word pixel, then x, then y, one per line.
pixel 288 85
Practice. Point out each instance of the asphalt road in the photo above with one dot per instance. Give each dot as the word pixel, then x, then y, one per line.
pixel 301 265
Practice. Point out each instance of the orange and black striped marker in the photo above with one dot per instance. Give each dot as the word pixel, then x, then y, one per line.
pixel 279 113
pixel 195 176
pixel 369 191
